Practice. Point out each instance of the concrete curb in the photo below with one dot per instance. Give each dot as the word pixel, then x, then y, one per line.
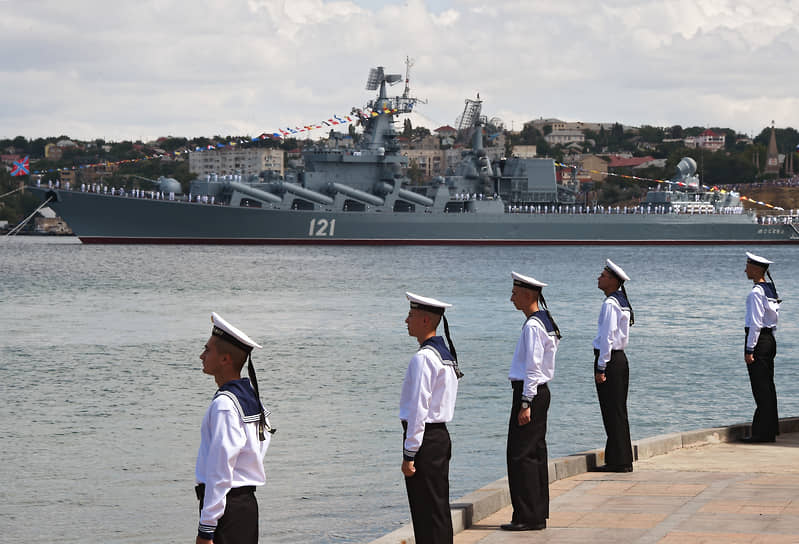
pixel 480 504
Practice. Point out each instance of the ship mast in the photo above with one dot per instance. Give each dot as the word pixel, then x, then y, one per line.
pixel 407 92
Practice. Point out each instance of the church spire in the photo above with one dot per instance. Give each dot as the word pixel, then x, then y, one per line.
pixel 772 156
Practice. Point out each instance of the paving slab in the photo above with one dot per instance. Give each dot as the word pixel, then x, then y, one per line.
pixel 701 486
pixel 725 492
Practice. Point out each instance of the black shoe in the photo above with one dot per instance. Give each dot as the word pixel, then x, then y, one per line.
pixel 523 526
pixel 756 440
pixel 613 468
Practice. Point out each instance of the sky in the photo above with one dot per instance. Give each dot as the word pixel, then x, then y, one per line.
pixel 139 70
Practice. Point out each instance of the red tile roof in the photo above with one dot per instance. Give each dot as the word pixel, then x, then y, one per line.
pixel 621 162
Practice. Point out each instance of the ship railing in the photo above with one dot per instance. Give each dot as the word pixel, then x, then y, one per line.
pixel 144 194
pixel 578 209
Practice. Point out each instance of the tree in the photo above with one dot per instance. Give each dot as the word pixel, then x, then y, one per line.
pixel 15 207
pixel 407 128
pixel 651 134
pixel 529 135
pixel 21 144
pixel 415 173
pixel 420 132
pixel 617 133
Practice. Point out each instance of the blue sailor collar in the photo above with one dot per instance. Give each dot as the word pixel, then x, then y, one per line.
pixel 243 396
pixel 542 317
pixel 436 343
pixel 768 289
pixel 621 299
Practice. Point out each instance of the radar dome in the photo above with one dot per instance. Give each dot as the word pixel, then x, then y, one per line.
pixel 686 167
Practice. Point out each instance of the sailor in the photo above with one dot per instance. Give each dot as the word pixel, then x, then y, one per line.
pixel 427 403
pixel 235 435
pixel 611 370
pixel 532 367
pixel 762 312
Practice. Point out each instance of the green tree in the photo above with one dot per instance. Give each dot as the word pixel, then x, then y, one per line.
pixel 407 128
pixel 21 144
pixel 420 132
pixel 529 135
pixel 16 206
pixel 651 134
pixel 415 173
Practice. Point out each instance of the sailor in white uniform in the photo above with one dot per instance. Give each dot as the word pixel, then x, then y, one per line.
pixel 427 403
pixel 611 369
pixel 532 368
pixel 760 348
pixel 234 438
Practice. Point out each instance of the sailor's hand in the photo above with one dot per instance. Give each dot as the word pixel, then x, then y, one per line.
pixel 749 358
pixel 524 416
pixel 600 377
pixel 408 469
pixel 201 540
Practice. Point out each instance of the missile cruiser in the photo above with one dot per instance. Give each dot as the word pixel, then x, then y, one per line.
pixel 362 195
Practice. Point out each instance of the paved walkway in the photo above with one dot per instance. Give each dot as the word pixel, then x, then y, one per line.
pixel 727 492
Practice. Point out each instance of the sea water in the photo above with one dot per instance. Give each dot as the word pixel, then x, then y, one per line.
pixel 103 392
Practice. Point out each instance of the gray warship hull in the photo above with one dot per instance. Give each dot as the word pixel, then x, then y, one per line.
pixel 104 219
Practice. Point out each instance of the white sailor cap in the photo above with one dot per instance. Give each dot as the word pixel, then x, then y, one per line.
pixel 427 304
pixel 758 260
pixel 228 332
pixel 616 270
pixel 526 281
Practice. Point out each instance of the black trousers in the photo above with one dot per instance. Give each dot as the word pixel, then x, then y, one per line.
pixel 428 488
pixel 765 423
pixel 613 403
pixel 239 523
pixel 528 476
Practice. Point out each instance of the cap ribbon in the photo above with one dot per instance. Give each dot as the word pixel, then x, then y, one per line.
pixel 262 425
pixel 632 314
pixel 458 372
pixel 543 302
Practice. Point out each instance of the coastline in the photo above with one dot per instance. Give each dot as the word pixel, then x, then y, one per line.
pixel 478 505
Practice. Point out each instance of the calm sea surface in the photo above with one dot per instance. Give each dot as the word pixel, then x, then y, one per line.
pixel 103 392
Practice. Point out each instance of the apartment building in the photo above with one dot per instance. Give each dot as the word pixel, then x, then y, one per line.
pixel 236 160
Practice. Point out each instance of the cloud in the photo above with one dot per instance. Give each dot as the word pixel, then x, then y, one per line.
pixel 120 70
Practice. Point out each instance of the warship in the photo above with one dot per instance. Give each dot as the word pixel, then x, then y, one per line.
pixel 362 195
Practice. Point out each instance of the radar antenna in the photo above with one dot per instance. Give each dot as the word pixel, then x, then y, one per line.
pixel 377 80
pixel 470 115
pixel 377 76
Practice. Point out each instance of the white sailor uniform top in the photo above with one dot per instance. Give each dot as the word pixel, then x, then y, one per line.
pixel 534 358
pixel 428 392
pixel 231 454
pixel 613 327
pixel 762 312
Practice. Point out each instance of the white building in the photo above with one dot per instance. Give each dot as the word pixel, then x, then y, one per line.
pixel 561 137
pixel 236 160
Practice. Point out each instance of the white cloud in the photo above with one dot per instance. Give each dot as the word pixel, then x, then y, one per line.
pixel 92 68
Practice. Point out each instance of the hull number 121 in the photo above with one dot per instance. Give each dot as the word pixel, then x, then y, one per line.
pixel 322 227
